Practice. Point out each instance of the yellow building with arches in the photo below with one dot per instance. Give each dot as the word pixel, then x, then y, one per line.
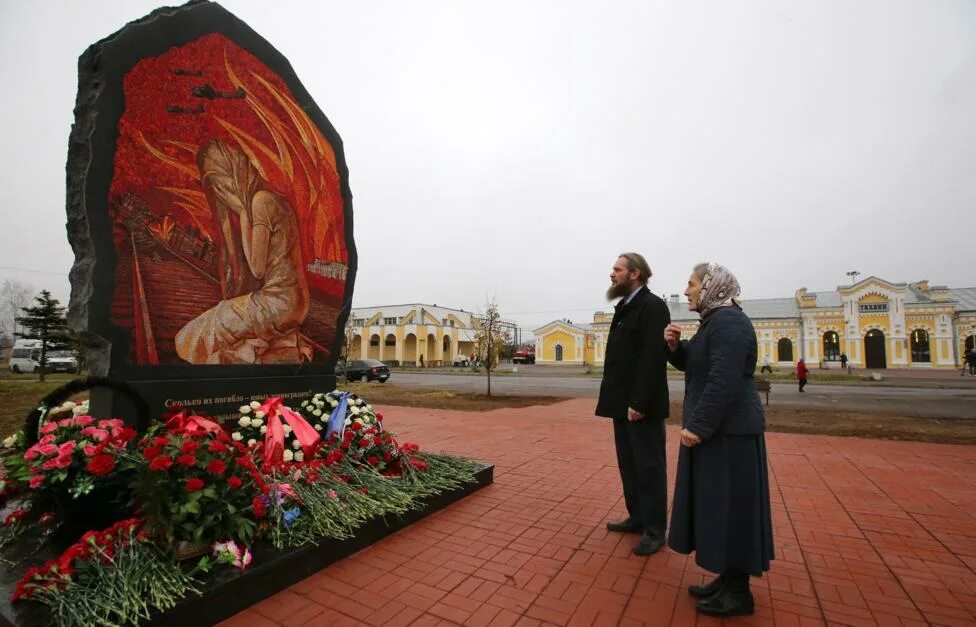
pixel 403 334
pixel 875 323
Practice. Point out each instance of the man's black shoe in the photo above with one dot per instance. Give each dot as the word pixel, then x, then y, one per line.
pixel 733 599
pixel 708 589
pixel 627 525
pixel 648 545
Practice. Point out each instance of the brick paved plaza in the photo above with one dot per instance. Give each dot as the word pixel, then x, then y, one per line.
pixel 867 532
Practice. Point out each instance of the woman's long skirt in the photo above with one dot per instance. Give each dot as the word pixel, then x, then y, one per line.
pixel 721 505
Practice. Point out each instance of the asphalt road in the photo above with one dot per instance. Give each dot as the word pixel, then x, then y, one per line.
pixel 921 402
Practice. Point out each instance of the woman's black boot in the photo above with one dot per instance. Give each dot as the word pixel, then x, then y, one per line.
pixel 733 599
pixel 706 590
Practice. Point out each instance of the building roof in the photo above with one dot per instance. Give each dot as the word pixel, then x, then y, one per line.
pixel 965 297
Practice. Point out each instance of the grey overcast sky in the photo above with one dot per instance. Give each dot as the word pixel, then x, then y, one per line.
pixel 515 148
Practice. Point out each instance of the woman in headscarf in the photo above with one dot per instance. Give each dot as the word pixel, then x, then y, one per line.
pixel 263 282
pixel 721 496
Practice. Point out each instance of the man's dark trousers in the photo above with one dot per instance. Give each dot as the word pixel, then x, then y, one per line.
pixel 643 471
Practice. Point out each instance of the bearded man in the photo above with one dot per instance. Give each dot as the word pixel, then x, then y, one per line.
pixel 634 393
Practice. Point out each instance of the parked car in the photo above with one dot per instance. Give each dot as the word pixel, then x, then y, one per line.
pixel 366 370
pixel 461 360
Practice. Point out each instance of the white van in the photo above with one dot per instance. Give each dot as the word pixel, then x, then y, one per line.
pixel 25 356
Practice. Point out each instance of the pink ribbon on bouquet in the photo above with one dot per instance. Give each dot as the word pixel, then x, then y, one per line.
pixel 181 423
pixel 274 438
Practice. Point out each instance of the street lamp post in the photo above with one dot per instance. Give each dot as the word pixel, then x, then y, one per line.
pixel 853 274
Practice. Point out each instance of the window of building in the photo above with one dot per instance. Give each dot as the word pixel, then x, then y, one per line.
pixel 920 346
pixel 374 341
pixel 358 322
pixel 831 346
pixel 559 352
pixel 392 320
pixel 784 349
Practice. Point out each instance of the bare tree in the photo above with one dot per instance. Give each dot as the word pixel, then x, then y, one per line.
pixel 14 296
pixel 489 338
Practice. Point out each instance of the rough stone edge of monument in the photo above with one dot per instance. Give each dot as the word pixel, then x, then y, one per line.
pixel 272 570
pixel 81 275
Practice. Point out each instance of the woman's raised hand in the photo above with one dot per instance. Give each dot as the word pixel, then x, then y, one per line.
pixel 672 335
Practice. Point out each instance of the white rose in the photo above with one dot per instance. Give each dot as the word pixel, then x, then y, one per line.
pixel 304 404
pixel 244 421
pixel 287 429
pixel 348 421
pixel 256 422
pixel 9 442
pixel 369 407
pixel 296 444
pixel 68 405
pixel 299 456
pixel 317 412
pixel 264 429
pixel 333 402
pixel 354 410
pixel 251 442
pixel 255 404
pixel 259 414
pixel 318 427
pixel 244 409
pixel 79 410
pixel 289 455
pixel 237 437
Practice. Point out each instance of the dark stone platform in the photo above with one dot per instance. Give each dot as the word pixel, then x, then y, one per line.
pixel 231 591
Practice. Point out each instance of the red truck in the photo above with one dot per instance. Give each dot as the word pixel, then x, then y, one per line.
pixel 523 357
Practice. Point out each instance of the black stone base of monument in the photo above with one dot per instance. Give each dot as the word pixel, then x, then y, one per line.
pixel 271 571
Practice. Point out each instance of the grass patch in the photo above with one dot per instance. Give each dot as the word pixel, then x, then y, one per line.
pixel 877 426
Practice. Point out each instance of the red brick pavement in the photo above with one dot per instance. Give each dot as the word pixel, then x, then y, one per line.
pixel 867 532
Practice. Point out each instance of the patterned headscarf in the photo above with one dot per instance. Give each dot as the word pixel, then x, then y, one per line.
pixel 719 289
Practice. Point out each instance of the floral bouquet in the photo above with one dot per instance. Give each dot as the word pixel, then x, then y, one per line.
pixel 110 577
pixel 195 484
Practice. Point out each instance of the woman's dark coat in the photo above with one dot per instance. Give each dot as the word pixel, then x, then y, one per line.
pixel 721 498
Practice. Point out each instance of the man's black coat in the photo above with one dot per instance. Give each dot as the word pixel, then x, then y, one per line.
pixel 635 364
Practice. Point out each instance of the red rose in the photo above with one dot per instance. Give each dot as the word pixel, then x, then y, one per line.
pixel 235 482
pixel 379 416
pixel 217 447
pixel 347 435
pixel 127 434
pixel 163 462
pixel 151 452
pixel 356 426
pixel 344 446
pixel 260 509
pixel 161 440
pixel 186 460
pixel 216 467
pixel 194 484
pixel 365 442
pixel 377 440
pixel 190 446
pixel 101 465
pixel 373 460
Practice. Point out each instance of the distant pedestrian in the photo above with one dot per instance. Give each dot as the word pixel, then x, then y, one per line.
pixel 421 361
pixel 843 360
pixel 766 367
pixel 971 360
pixel 802 373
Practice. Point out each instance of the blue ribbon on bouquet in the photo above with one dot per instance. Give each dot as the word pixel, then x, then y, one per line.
pixel 337 419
